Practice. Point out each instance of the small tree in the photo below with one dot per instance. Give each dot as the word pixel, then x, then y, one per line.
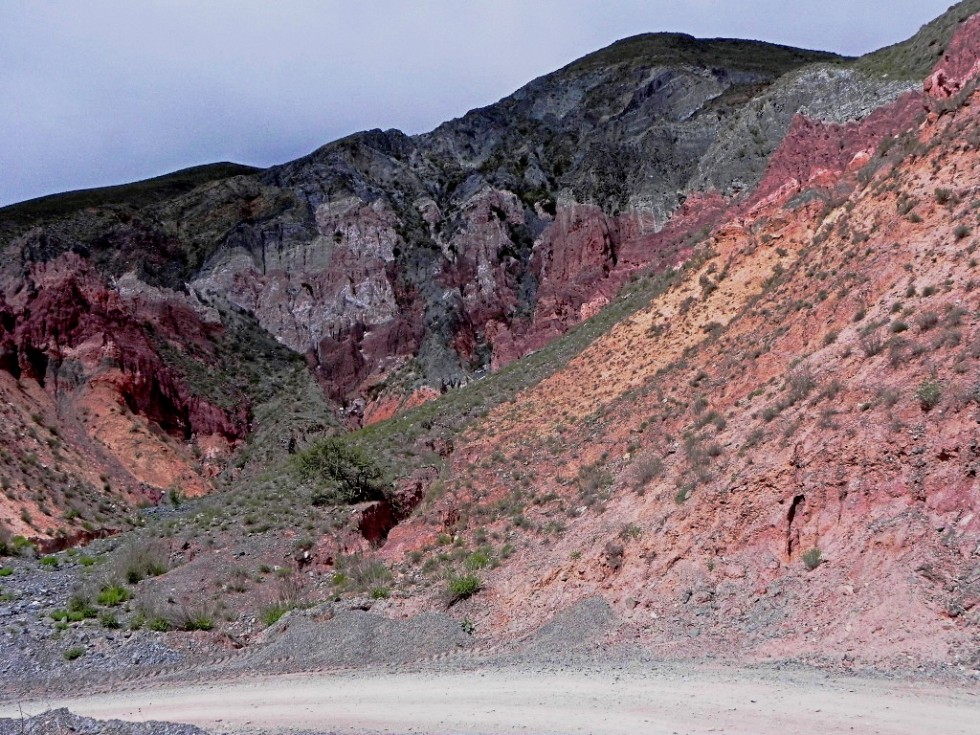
pixel 340 473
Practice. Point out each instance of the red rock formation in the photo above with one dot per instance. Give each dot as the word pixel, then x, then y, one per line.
pixel 960 64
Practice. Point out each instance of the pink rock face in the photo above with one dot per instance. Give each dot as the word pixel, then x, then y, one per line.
pixel 572 259
pixel 959 65
pixel 815 153
pixel 67 316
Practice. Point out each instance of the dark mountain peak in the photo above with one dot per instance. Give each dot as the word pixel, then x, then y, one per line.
pixel 670 49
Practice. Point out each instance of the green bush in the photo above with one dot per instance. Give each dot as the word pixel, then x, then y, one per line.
pixel 108 620
pixel 21 546
pixel 812 558
pixel 928 394
pixel 6 571
pixel 270 614
pixel 80 607
pixel 478 560
pixel 74 652
pixel 113 595
pixel 159 623
pixel 195 620
pixel 361 572
pixel 340 473
pixel 463 587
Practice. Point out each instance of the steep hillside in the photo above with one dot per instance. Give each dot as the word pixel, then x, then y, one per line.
pixel 688 326
pixel 777 456
pixel 397 267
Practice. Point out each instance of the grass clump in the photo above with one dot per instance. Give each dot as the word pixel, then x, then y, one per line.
pixel 812 558
pixel 462 587
pixel 112 595
pixel 479 559
pixel 159 623
pixel 141 559
pixel 929 393
pixel 73 653
pixel 361 573
pixel 270 614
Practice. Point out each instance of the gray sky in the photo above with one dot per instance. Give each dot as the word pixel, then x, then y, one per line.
pixel 108 91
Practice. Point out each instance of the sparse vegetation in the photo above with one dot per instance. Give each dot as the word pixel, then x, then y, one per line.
pixel 929 393
pixel 459 588
pixel 270 614
pixel 142 558
pixel 112 595
pixel 812 558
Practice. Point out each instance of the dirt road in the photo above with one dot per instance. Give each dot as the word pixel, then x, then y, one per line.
pixel 610 700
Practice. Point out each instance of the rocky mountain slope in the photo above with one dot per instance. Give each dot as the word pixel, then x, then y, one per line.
pixel 756 436
pixel 397 266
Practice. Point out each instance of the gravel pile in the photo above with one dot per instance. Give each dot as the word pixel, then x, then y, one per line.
pixel 61 721
pixel 574 632
pixel 356 638
pixel 35 650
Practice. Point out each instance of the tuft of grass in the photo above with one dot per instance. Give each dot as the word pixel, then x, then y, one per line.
pixel 271 614
pixel 112 595
pixel 195 621
pixel 159 623
pixel 812 558
pixel 929 393
pixel 141 559
pixel 479 559
pixel 462 587
pixel 73 653
pixel 80 608
pixel 630 531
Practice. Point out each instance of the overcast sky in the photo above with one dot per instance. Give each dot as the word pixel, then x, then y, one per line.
pixel 108 91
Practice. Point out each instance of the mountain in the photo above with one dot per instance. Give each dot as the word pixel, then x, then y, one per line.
pixel 688 326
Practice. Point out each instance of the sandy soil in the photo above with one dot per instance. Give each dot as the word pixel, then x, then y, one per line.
pixel 605 699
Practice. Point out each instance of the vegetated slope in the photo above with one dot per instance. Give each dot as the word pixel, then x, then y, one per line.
pixel 398 267
pixel 778 456
pixel 769 451
pixel 148 347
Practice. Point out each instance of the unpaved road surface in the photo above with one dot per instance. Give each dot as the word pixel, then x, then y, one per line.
pixel 626 700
